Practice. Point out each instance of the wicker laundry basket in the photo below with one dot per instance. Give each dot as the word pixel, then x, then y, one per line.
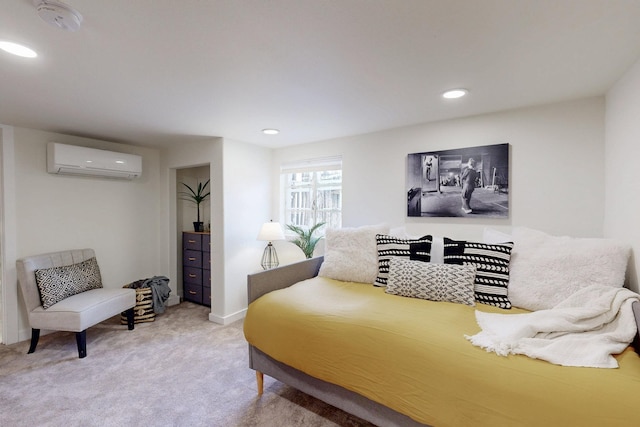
pixel 143 310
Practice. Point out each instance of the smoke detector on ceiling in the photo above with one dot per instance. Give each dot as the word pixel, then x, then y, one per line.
pixel 58 14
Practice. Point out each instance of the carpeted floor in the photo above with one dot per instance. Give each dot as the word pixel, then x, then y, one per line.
pixel 181 370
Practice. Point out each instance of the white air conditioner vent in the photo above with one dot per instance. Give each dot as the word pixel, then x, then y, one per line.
pixel 76 160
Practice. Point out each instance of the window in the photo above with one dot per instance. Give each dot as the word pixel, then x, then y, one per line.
pixel 312 192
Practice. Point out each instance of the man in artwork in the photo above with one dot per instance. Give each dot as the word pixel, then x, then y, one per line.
pixel 427 164
pixel 468 178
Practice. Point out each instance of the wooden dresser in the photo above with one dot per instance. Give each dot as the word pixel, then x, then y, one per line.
pixel 196 267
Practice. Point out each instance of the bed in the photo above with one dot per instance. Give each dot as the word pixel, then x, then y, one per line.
pixel 398 361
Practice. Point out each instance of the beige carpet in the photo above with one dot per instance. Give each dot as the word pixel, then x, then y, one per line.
pixel 180 370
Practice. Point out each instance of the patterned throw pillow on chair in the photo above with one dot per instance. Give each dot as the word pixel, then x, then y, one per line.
pixel 492 265
pixel 434 282
pixel 58 283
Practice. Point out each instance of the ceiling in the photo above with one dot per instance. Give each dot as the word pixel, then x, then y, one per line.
pixel 157 72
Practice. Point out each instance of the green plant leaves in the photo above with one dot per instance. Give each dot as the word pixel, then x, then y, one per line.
pixel 305 240
pixel 198 195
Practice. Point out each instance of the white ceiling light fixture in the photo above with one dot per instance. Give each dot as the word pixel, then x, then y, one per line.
pixel 58 14
pixel 455 93
pixel 17 49
pixel 270 131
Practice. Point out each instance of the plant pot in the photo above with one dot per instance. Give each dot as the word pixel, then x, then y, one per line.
pixel 198 226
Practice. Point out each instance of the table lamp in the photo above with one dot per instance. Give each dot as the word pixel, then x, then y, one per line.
pixel 269 232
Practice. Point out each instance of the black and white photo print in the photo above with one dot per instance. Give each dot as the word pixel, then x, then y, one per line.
pixel 464 182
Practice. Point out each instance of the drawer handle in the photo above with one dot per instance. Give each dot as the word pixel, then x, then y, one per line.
pixel 192 275
pixel 193 292
pixel 191 241
pixel 192 259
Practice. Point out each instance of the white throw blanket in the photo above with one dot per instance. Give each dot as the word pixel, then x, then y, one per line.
pixel 585 329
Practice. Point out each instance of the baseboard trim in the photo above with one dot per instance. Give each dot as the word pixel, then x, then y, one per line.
pixel 173 300
pixel 228 319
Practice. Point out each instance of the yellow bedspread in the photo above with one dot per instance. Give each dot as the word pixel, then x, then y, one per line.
pixel 411 355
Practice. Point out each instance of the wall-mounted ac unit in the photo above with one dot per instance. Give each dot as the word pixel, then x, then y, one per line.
pixel 75 160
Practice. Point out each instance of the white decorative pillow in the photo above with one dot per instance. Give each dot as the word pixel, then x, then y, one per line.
pixel 434 282
pixel 58 283
pixel 400 232
pixel 351 254
pixel 394 247
pixel 491 235
pixel 546 269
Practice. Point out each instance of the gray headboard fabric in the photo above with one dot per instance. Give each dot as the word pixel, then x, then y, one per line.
pixel 636 312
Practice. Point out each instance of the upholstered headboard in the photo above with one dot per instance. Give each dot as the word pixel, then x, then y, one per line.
pixel 636 312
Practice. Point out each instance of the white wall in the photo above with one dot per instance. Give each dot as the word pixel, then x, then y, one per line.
pixel 247 196
pixel 622 202
pixel 10 313
pixel 119 219
pixel 556 177
pixel 240 196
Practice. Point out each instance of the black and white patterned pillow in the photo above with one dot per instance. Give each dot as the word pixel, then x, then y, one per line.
pixel 434 282
pixel 393 247
pixel 492 265
pixel 58 283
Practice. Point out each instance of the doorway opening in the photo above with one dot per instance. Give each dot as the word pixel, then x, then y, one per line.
pixel 194 240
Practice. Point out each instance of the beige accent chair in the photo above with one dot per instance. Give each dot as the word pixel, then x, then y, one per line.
pixel 75 313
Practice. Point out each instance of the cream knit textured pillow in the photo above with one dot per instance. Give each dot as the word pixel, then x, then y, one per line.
pixel 351 254
pixel 546 269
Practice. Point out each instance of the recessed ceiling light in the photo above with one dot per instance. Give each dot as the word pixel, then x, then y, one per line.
pixel 17 49
pixel 270 131
pixel 455 93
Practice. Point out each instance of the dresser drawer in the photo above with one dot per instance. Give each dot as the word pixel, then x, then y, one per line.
pixel 206 296
pixel 193 293
pixel 196 267
pixel 206 278
pixel 192 275
pixel 192 241
pixel 192 259
pixel 206 243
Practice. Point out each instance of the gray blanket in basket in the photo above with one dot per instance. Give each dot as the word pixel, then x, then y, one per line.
pixel 159 290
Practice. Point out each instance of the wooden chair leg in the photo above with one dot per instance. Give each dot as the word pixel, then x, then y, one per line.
pixel 35 336
pixel 130 319
pixel 81 339
pixel 260 381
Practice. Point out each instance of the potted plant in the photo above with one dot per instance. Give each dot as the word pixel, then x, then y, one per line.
pixel 305 240
pixel 196 196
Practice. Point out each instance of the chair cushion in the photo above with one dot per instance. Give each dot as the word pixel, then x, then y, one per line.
pixel 78 312
pixel 58 283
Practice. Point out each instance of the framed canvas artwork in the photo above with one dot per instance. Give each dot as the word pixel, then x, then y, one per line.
pixel 463 182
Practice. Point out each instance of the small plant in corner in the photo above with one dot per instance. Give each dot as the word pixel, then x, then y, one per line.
pixel 196 196
pixel 305 240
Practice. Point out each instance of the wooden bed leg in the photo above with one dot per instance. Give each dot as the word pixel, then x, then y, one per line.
pixel 260 381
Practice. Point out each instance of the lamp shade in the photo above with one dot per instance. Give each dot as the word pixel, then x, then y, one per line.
pixel 271 231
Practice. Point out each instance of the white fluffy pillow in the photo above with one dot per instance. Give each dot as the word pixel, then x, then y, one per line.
pixel 493 236
pixel 351 254
pixel 546 269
